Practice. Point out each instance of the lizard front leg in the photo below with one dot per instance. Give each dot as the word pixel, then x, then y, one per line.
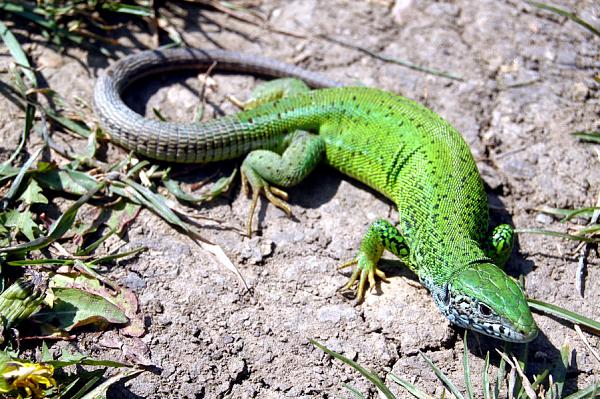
pixel 381 235
pixel 499 244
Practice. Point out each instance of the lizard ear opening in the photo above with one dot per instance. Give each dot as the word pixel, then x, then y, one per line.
pixel 443 295
pixel 446 295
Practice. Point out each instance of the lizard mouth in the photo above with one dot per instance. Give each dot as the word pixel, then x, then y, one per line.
pixel 504 331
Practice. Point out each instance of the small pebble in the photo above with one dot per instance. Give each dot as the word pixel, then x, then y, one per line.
pixel 543 218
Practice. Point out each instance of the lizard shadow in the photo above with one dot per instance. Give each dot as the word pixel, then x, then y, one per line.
pixel 540 355
pixel 318 188
pixel 139 93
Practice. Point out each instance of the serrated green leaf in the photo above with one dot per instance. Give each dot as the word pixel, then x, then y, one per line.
pixel 22 222
pixel 122 298
pixel 75 308
pixel 33 194
pixel 121 215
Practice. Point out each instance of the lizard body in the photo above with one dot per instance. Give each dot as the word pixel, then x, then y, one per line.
pixel 394 145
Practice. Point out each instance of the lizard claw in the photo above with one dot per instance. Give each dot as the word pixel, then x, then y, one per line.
pixel 274 195
pixel 365 271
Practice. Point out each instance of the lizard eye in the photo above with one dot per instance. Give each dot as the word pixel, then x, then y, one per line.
pixel 485 310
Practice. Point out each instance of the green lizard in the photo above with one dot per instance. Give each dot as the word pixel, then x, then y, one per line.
pixel 394 145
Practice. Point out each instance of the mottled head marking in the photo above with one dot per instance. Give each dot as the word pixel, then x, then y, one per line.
pixel 483 298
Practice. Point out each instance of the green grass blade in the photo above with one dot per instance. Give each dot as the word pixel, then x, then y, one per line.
pixel 39 262
pixel 590 229
pixel 92 378
pixel 557 234
pixel 520 384
pixel 13 46
pixel 443 378
pixel 568 214
pixel 486 377
pixel 355 392
pixel 501 374
pixel 565 314
pixel 539 379
pixel 140 11
pixel 573 17
pixel 222 185
pixel 559 373
pixel 66 181
pixel 374 378
pixel 593 137
pixel 119 255
pixel 592 391
pixel 466 368
pixel 16 184
pixel 413 390
pixel 135 169
pixel 157 204
pixel 93 246
pixel 29 117
pixel 67 123
pixel 47 24
pixel 100 390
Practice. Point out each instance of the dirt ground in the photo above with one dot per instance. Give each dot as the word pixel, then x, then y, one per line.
pixel 528 83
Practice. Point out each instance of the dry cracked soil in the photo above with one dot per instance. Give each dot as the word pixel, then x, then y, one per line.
pixel 527 82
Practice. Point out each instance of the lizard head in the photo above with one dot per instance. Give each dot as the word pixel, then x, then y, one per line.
pixel 484 298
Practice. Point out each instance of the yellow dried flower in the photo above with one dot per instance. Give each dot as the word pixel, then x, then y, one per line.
pixel 28 378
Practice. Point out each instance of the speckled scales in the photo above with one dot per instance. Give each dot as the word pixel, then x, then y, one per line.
pixel 393 144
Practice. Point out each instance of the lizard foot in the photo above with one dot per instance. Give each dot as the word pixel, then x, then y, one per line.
pixel 252 181
pixel 365 270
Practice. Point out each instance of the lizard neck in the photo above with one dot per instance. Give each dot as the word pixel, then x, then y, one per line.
pixel 438 256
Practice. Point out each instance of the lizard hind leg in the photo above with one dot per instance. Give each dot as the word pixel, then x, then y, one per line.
pixel 499 244
pixel 274 90
pixel 380 235
pixel 261 168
